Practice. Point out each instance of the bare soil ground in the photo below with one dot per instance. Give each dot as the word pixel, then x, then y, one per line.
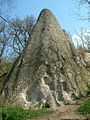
pixel 66 112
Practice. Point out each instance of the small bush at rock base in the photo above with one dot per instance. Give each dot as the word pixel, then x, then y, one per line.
pixel 85 108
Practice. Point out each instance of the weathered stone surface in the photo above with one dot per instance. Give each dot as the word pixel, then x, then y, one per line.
pixel 47 72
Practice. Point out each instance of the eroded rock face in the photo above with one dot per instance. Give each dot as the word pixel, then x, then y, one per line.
pixel 47 72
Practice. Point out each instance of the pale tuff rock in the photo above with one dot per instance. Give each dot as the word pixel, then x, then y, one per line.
pixel 47 71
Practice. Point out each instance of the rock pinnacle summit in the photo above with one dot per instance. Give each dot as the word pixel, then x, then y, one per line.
pixel 47 71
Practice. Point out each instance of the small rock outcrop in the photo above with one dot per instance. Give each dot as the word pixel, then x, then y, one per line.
pixel 47 71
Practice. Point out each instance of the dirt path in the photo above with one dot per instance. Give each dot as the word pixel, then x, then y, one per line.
pixel 66 112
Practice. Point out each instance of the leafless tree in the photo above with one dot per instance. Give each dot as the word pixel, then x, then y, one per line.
pixel 83 39
pixel 5 6
pixel 83 7
pixel 84 2
pixel 3 38
pixel 15 34
pixel 20 32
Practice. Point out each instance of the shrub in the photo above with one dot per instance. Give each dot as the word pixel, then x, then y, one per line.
pixel 85 108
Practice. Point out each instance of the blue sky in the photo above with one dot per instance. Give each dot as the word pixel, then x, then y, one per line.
pixel 64 11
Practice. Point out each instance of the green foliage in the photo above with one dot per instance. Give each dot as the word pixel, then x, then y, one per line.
pixel 15 113
pixel 85 108
pixel 5 65
pixel 78 97
pixel 46 105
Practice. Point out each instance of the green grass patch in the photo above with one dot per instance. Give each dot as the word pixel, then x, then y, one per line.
pixel 85 108
pixel 15 113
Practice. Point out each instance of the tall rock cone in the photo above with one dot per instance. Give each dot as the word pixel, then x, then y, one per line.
pixel 47 72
